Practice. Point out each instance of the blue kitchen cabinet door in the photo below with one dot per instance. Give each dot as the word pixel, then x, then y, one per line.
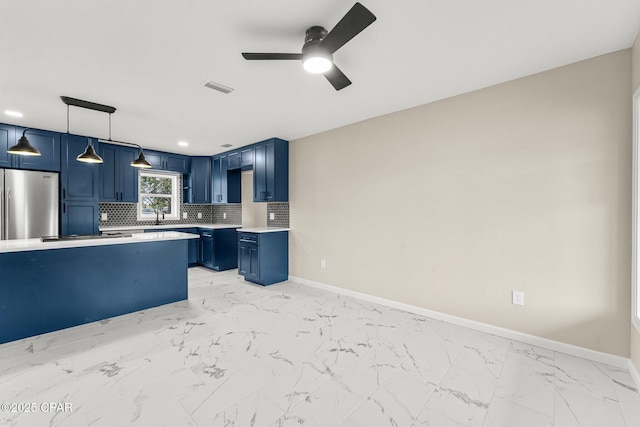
pixel 201 180
pixel 178 163
pixel 168 161
pixel 128 175
pixel 7 139
pixel 109 191
pixel 249 262
pixel 219 179
pixel 48 143
pixel 155 158
pixel 78 217
pixel 118 179
pixel 207 248
pixel 241 159
pixel 78 180
pixel 271 171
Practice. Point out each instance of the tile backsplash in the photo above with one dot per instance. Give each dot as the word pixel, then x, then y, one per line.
pixel 280 211
pixel 233 211
pixel 125 215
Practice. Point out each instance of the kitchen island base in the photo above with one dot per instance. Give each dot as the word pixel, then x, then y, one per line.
pixel 47 290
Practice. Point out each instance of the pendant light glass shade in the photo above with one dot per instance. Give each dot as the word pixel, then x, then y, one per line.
pixel 24 147
pixel 89 155
pixel 141 162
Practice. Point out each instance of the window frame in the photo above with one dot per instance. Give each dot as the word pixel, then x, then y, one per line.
pixel 635 279
pixel 175 194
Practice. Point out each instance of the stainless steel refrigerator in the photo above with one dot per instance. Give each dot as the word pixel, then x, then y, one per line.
pixel 28 204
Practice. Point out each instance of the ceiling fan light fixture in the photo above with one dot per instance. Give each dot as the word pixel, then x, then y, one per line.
pixel 317 64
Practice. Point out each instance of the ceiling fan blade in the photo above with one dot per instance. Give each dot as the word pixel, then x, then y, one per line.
pixel 357 19
pixel 337 78
pixel 258 56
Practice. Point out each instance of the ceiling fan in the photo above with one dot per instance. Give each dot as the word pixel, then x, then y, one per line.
pixel 319 46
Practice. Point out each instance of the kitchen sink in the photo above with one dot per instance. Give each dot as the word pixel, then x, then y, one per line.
pixel 83 237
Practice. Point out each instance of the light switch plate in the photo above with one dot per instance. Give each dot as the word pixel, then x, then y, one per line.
pixel 184 215
pixel 272 216
pixel 103 216
pixel 199 215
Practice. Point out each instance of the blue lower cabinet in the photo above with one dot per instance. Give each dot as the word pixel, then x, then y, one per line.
pixel 263 258
pixel 78 217
pixel 218 248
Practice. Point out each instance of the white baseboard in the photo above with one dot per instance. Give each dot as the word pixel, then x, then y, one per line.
pixel 574 350
pixel 634 374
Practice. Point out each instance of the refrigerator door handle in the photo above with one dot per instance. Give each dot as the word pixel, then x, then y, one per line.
pixel 7 213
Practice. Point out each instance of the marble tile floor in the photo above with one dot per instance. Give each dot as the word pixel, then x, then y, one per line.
pixel 237 354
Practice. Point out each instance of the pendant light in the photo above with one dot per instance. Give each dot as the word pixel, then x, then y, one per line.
pixel 89 155
pixel 24 147
pixel 141 162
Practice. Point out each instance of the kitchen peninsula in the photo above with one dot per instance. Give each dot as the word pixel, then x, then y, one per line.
pixel 47 286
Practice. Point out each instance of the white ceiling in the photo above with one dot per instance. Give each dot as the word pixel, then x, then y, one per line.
pixel 150 60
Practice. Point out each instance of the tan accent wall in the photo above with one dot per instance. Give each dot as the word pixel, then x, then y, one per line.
pixel 253 214
pixel 452 205
pixel 635 73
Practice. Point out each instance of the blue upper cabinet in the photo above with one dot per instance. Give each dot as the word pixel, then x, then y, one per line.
pixel 118 179
pixel 79 188
pixel 78 180
pixel 48 143
pixel 7 139
pixel 219 179
pixel 241 159
pixel 225 183
pixel 271 171
pixel 168 161
pixel 200 180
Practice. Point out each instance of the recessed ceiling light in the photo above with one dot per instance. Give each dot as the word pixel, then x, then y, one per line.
pixel 13 113
pixel 183 143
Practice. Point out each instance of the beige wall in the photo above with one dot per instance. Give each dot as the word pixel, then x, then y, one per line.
pixel 253 214
pixel 635 67
pixel 453 204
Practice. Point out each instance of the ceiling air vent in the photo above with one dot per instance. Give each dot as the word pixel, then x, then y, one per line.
pixel 226 145
pixel 218 87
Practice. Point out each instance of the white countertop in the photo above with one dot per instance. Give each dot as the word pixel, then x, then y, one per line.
pixel 24 245
pixel 160 227
pixel 262 229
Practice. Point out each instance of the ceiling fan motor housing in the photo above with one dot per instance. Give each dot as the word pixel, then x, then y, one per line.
pixel 312 45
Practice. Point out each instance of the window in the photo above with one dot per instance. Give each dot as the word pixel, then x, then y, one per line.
pixel 158 196
pixel 635 279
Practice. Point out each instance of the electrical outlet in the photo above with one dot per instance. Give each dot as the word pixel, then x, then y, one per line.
pixel 103 216
pixel 272 216
pixel 224 215
pixel 199 215
pixel 517 297
pixel 184 215
pixel 323 263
